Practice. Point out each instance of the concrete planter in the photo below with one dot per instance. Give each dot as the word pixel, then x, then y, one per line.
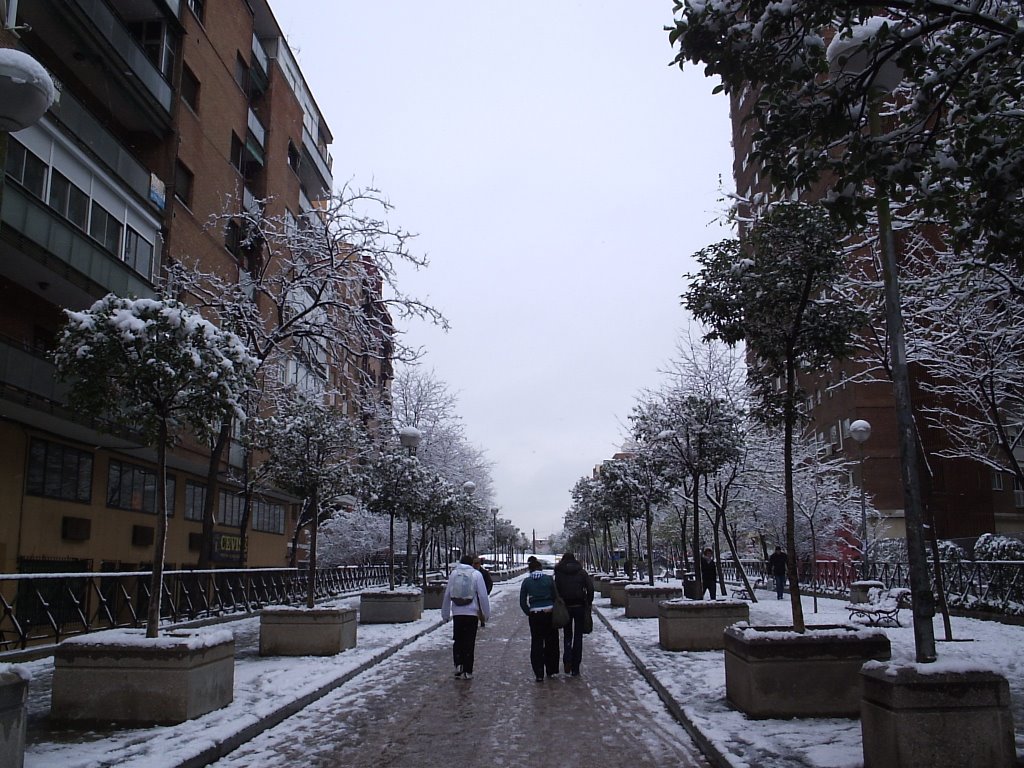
pixel 859 590
pixel 13 697
pixel 122 677
pixel 286 631
pixel 776 672
pixel 914 717
pixel 399 606
pixel 642 600
pixel 604 586
pixel 432 594
pixel 698 625
pixel 617 592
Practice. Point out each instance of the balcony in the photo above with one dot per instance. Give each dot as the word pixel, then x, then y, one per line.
pixel 30 372
pixel 48 240
pixel 256 129
pixel 96 49
pixel 323 181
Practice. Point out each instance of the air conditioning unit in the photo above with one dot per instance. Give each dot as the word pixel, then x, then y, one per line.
pixel 142 536
pixel 75 528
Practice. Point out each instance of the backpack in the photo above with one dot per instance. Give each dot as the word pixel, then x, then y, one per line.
pixel 463 587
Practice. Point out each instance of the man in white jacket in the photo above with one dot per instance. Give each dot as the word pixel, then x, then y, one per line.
pixel 465 601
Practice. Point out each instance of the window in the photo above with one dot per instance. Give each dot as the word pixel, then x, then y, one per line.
pixel 183 184
pixel 267 517
pixel 236 152
pixel 190 88
pixel 59 472
pixel 293 157
pixel 105 228
pixel 997 481
pixel 158 42
pixel 138 252
pixel 133 487
pixel 1018 494
pixel 25 168
pixel 233 238
pixel 69 201
pixel 232 505
pixel 242 73
pixel 198 8
pixel 195 498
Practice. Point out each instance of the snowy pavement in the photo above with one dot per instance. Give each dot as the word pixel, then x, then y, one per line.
pixel 269 690
pixel 695 681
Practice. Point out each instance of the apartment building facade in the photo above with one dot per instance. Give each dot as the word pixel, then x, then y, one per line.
pixel 170 112
pixel 963 497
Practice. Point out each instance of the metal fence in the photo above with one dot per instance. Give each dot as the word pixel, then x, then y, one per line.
pixel 987 586
pixel 42 609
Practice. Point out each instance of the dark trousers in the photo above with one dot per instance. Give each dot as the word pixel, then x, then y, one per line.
pixel 464 641
pixel 710 586
pixel 572 636
pixel 780 584
pixel 543 644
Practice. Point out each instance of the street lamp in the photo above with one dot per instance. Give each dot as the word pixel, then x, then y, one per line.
pixel 494 528
pixel 26 92
pixel 470 488
pixel 409 437
pixel 850 57
pixel 860 430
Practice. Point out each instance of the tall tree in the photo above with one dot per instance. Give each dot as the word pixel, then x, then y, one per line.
pixel 155 366
pixel 775 293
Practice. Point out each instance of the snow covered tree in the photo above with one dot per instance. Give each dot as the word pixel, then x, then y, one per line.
pixel 775 293
pixel 313 451
pixel 949 144
pixel 315 299
pixel 157 367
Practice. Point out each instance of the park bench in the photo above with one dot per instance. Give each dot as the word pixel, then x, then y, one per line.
pixel 740 593
pixel 882 608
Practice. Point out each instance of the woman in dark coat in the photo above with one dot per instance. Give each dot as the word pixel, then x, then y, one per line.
pixel 709 572
pixel 576 588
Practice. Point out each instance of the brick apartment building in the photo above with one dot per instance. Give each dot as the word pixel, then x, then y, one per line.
pixel 966 498
pixel 168 111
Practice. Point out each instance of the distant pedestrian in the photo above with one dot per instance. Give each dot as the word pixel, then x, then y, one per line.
pixel 777 565
pixel 465 602
pixel 709 573
pixel 577 590
pixel 537 599
pixel 478 563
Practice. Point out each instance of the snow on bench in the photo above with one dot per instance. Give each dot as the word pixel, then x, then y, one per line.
pixel 883 606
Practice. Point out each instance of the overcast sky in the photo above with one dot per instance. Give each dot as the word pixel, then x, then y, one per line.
pixel 560 175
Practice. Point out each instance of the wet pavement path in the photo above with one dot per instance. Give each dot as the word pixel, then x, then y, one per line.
pixel 410 711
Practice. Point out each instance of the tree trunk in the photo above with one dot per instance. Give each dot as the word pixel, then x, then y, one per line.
pixel 391 550
pixel 156 581
pixel 212 495
pixel 314 525
pixel 696 533
pixel 410 567
pixel 649 519
pixel 787 447
pixel 730 540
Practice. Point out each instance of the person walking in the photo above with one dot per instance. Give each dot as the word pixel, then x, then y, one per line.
pixel 478 563
pixel 465 602
pixel 537 599
pixel 777 564
pixel 708 573
pixel 577 590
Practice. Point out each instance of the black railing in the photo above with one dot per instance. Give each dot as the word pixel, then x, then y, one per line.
pixel 989 586
pixel 41 609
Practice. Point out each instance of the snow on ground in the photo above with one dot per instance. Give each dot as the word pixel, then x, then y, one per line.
pixel 697 681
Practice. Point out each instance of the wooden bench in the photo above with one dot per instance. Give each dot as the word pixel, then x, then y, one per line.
pixel 740 593
pixel 883 607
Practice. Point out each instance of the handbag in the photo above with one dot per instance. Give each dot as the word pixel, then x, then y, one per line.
pixel 588 621
pixel 560 613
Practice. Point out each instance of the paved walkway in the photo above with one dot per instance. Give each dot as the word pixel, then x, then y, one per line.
pixel 411 711
pixel 392 701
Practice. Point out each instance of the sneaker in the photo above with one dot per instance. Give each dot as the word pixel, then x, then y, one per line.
pixel 540 678
pixel 458 671
pixel 467 675
pixel 575 673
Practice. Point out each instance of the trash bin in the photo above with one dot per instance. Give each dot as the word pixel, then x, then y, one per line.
pixel 691 587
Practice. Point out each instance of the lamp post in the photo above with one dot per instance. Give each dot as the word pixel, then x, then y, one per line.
pixel 860 430
pixel 409 437
pixel 494 528
pixel 470 488
pixel 850 57
pixel 26 92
